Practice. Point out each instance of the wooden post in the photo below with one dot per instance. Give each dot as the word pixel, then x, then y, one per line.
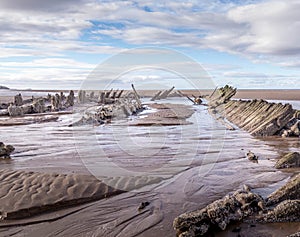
pixel 108 93
pixel 166 93
pixel 114 94
pixel 169 91
pixel 102 97
pixel 213 92
pixel 120 93
pixel 137 97
pixel 190 99
pixel 180 93
pixel 156 96
pixel 135 91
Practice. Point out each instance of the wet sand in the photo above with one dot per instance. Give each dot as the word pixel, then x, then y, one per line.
pixel 291 94
pixel 268 94
pixel 245 94
pixel 193 165
pixel 260 94
pixel 24 194
pixel 166 115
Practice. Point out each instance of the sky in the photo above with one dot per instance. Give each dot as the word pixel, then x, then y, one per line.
pixel 57 44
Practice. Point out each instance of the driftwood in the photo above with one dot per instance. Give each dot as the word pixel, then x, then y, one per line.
pixel 221 96
pixel 101 97
pixel 162 94
pixel 137 97
pixel 18 100
pixel 120 94
pixel 111 107
pixel 297 114
pixel 108 97
pixel 107 94
pixel 175 94
pixel 166 93
pixel 180 93
pixel 213 92
pixel 39 105
pixel 189 98
pixel 156 96
pixel 135 92
pixel 92 95
pixel 81 96
pixel 114 94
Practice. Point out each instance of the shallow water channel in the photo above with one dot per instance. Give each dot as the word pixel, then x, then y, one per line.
pixel 190 166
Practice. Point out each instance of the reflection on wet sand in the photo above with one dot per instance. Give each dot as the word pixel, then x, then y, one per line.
pixel 195 165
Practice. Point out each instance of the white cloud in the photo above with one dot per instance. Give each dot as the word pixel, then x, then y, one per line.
pixel 27 33
pixel 241 74
pixel 290 64
pixel 50 63
pixel 37 5
pixel 271 28
pixel 264 31
pixel 36 78
pixel 52 72
pixel 256 80
pixel 24 52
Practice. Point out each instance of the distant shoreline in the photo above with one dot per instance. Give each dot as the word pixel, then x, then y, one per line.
pixel 266 94
pixel 4 88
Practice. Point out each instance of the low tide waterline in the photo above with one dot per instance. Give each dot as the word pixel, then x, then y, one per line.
pixel 197 163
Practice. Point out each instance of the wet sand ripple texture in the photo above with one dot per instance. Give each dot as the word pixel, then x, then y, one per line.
pixel 27 193
pixel 216 167
pixel 167 115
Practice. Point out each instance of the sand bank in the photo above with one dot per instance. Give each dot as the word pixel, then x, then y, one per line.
pixel 211 163
pixel 166 115
pixel 24 194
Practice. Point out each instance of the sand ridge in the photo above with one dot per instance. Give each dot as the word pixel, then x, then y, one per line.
pixel 167 114
pixel 23 194
pixel 27 120
pixel 27 193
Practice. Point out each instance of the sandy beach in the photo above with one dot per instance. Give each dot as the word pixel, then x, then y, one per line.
pixel 241 94
pixel 245 94
pixel 132 177
pixel 149 118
